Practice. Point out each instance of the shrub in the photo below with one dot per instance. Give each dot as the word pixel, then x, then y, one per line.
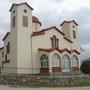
pixel 85 67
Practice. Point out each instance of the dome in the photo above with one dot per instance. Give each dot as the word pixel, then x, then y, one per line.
pixel 36 20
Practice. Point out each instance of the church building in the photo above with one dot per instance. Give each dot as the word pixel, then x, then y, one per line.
pixel 29 50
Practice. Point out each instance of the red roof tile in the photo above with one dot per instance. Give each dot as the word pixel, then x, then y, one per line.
pixel 60 50
pixel 44 30
pixel 52 49
pixel 37 33
pixel 65 49
pixel 76 51
pixel 36 20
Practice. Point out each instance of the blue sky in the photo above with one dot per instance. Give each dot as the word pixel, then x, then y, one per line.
pixel 52 13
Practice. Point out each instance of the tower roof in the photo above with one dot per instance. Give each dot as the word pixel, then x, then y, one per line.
pixel 20 4
pixel 68 22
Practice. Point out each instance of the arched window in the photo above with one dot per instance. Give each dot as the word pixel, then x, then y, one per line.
pixel 25 21
pixel 8 48
pixel 74 61
pixel 54 42
pixel 65 62
pixel 13 21
pixel 56 60
pixel 44 60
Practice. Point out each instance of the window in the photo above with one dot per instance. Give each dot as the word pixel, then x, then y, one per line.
pixel 25 21
pixel 73 26
pixel 5 57
pixel 74 61
pixel 74 34
pixel 65 62
pixel 13 21
pixel 13 11
pixel 56 60
pixel 2 54
pixel 57 43
pixel 8 48
pixel 25 10
pixel 54 42
pixel 44 61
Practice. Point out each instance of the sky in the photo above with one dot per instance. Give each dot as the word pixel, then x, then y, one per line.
pixel 52 13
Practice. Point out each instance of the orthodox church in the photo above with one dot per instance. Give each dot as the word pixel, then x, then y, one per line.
pixel 29 50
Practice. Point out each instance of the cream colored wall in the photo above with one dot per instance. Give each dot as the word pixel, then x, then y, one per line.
pixel 20 42
pixel 24 59
pixel 35 27
pixel 63 43
pixel 66 30
pixel 44 41
pixel 7 67
pixel 76 44
pixel 13 40
pixel 5 44
pixel 1 58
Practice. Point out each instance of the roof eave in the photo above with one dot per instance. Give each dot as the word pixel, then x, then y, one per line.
pixel 6 36
pixel 69 22
pixel 1 48
pixel 21 4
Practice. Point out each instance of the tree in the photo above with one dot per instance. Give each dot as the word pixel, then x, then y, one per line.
pixel 85 67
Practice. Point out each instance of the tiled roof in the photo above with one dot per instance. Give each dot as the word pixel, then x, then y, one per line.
pixel 46 29
pixel 60 50
pixel 76 51
pixel 37 33
pixel 49 50
pixel 36 20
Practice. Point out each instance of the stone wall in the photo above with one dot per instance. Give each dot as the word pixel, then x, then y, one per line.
pixel 26 80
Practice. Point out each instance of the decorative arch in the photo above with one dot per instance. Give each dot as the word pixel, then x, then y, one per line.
pixel 44 60
pixel 56 60
pixel 74 61
pixel 66 62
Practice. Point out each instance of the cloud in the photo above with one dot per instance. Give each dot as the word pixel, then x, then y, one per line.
pixel 86 46
pixel 86 52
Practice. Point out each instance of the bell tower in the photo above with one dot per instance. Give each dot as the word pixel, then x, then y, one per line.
pixel 69 28
pixel 21 30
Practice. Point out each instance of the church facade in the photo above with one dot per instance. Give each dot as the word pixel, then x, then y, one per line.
pixel 29 50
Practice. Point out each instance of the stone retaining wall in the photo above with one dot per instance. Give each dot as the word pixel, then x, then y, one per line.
pixel 26 80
